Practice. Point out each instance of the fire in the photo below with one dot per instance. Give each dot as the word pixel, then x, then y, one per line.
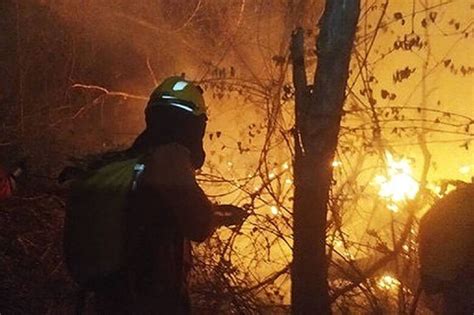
pixel 465 169
pixel 388 282
pixel 336 163
pixel 398 184
pixel 274 210
pixel 436 189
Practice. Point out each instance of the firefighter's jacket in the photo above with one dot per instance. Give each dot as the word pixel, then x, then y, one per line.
pixel 447 237
pixel 169 209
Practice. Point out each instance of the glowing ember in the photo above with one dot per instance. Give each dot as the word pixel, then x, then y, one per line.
pixel 436 189
pixel 398 185
pixel 274 210
pixel 392 207
pixel 465 169
pixel 388 282
pixel 336 163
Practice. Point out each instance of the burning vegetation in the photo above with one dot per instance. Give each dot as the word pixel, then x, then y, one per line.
pixel 75 77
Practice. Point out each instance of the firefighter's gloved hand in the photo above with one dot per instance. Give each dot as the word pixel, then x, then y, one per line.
pixel 229 215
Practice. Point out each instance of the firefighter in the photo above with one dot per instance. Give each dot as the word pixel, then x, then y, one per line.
pixel 447 250
pixel 168 208
pixel 8 180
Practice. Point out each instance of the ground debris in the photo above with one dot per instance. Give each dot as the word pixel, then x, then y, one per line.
pixel 34 278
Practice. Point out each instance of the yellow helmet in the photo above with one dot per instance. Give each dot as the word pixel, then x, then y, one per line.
pixel 178 92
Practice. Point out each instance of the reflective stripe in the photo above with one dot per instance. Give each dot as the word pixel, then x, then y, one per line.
pixel 168 97
pixel 139 167
pixel 138 170
pixel 180 85
pixel 189 109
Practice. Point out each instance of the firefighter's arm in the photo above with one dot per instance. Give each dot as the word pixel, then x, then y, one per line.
pixel 170 174
pixel 229 215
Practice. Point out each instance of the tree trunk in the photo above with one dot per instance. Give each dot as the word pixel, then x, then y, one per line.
pixel 318 116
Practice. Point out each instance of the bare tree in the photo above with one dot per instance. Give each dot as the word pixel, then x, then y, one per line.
pixel 318 117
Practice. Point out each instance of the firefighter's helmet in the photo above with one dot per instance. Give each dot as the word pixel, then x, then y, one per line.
pixel 178 92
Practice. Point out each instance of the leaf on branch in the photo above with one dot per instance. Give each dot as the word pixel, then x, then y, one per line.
pixel 403 74
pixel 424 23
pixel 408 42
pixel 398 16
pixel 456 25
pixel 447 62
pixel 372 233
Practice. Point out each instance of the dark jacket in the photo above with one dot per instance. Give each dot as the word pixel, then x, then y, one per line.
pixel 446 250
pixel 168 210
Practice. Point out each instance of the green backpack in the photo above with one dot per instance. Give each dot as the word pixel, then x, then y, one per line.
pixel 94 227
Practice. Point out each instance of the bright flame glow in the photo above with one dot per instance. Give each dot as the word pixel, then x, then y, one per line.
pixel 336 163
pixel 398 185
pixel 406 248
pixel 392 207
pixel 274 210
pixel 465 169
pixel 434 188
pixel 388 282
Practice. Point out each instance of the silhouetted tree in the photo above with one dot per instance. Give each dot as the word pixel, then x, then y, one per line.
pixel 318 117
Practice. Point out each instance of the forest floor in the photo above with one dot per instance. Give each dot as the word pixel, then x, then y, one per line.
pixel 34 277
